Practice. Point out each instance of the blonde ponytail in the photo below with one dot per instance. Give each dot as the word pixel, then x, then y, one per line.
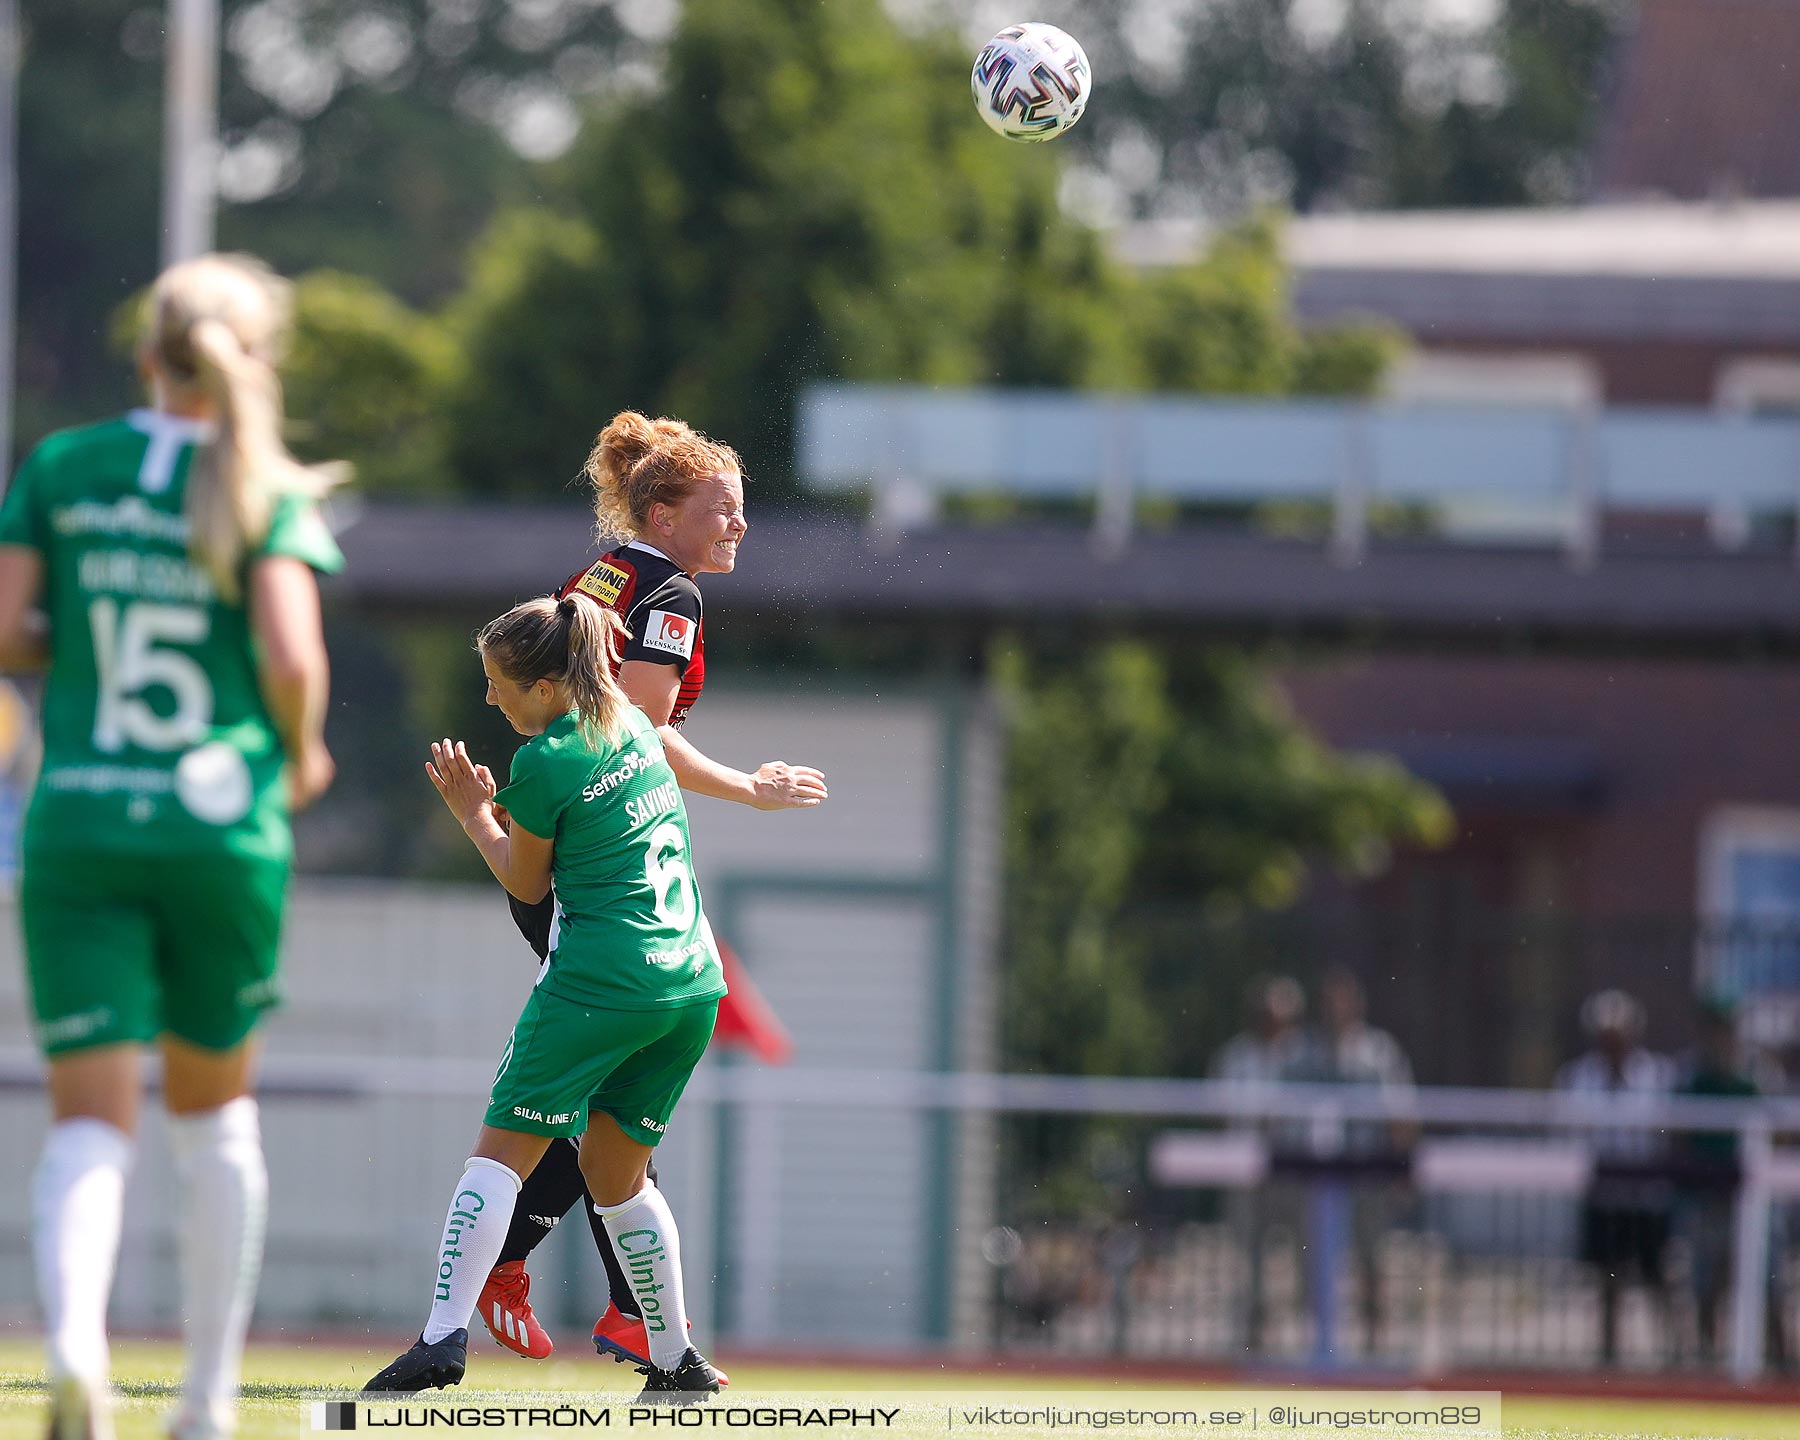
pixel 216 325
pixel 573 643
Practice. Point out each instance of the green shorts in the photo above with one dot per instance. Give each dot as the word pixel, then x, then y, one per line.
pixel 566 1059
pixel 124 949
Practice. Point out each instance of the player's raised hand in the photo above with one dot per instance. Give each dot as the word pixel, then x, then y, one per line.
pixel 467 788
pixel 781 786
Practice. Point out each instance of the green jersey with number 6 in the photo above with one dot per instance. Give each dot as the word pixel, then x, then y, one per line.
pixel 629 932
pixel 156 736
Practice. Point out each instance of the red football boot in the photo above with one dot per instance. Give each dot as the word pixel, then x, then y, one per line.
pixel 505 1309
pixel 622 1337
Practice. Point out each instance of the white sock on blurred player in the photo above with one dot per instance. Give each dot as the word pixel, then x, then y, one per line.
pixel 474 1234
pixel 643 1234
pixel 224 1191
pixel 77 1205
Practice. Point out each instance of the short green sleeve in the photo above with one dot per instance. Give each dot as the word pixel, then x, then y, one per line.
pixel 298 530
pixel 532 796
pixel 21 513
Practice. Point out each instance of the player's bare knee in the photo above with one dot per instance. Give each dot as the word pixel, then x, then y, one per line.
pixel 197 1079
pixel 614 1174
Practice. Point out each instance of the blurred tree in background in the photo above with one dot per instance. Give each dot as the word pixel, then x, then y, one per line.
pixel 90 121
pixel 377 137
pixel 785 179
pixel 825 211
pixel 367 377
pixel 1215 106
pixel 1145 778
pixel 381 136
pixel 1160 803
pixel 709 260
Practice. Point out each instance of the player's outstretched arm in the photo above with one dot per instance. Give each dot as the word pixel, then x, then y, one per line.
pixel 520 860
pixel 774 785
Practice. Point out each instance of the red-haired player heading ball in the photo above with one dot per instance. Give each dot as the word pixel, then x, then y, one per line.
pixel 674 499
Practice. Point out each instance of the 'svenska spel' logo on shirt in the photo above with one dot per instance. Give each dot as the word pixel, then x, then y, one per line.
pixel 665 630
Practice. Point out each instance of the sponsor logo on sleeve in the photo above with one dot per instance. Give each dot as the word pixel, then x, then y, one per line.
pixel 665 630
pixel 604 581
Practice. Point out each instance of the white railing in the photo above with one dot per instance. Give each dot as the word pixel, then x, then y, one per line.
pixel 1543 475
pixel 1467 1142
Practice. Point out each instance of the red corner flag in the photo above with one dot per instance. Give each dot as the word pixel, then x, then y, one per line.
pixel 746 1018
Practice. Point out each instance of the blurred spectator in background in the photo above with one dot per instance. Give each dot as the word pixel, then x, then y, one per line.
pixel 1273 1005
pixel 1344 1049
pixel 1625 1217
pixel 1721 1066
pixel 1259 1055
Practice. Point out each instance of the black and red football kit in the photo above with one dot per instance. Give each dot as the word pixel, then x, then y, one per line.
pixel 660 605
pixel 664 623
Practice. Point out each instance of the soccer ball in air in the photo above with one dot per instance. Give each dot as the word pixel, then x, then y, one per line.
pixel 1031 82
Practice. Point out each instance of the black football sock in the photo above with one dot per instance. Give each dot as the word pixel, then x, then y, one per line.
pixel 622 1298
pixel 551 1191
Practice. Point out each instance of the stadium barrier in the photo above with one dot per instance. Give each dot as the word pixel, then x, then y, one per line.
pixel 1268 1156
pixel 1485 473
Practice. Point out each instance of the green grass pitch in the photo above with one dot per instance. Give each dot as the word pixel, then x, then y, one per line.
pixel 281 1380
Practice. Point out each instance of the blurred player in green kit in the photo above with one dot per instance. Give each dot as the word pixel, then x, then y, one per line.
pixel 161 567
pixel 624 1005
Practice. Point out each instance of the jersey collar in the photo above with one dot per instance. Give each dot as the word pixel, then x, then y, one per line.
pixel 642 545
pixel 175 427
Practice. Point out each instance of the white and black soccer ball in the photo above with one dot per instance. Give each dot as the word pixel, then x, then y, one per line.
pixel 1031 82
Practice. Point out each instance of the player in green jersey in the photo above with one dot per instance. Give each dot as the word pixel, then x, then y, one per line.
pixel 625 1003
pixel 161 567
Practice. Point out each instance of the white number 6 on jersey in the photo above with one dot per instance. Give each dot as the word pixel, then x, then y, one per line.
pixel 667 871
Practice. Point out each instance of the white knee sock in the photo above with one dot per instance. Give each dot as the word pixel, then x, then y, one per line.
pixel 77 1204
pixel 224 1191
pixel 643 1234
pixel 474 1235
